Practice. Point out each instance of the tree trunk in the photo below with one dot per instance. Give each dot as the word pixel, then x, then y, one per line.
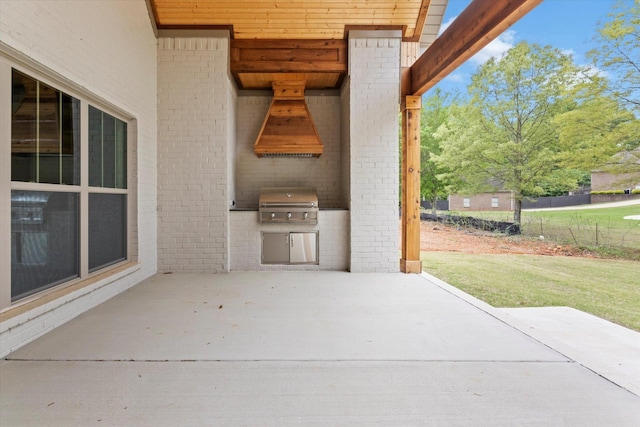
pixel 517 212
pixel 434 204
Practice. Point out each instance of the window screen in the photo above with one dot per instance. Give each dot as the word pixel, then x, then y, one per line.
pixel 44 240
pixel 107 229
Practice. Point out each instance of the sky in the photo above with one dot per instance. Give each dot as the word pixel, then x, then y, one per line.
pixel 568 25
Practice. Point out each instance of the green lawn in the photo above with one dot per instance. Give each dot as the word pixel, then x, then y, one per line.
pixel 603 229
pixel 607 288
pixel 586 227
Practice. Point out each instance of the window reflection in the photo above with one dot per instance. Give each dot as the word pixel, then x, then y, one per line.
pixel 45 133
pixel 44 240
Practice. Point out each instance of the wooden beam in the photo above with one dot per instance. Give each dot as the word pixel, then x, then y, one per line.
pixel 410 261
pixel 477 25
pixel 288 56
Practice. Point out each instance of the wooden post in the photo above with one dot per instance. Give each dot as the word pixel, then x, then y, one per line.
pixel 410 261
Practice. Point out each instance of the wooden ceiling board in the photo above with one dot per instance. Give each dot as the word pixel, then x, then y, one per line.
pixel 292 19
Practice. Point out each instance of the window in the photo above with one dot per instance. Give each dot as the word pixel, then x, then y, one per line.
pixel 466 202
pixel 107 169
pixel 107 150
pixel 495 203
pixel 45 133
pixel 44 240
pixel 48 193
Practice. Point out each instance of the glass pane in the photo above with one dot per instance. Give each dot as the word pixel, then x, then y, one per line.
pixel 70 156
pixel 44 240
pixel 107 229
pixel 95 147
pixel 45 133
pixel 108 151
pixel 48 135
pixel 24 108
pixel 121 154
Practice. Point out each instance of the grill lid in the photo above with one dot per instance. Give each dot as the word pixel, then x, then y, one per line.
pixel 288 196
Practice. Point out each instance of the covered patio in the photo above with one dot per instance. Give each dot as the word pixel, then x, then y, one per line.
pixel 135 147
pixel 182 323
pixel 293 348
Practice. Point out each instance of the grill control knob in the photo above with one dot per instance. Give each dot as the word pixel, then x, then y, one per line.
pixel 272 215
pixel 288 215
pixel 305 215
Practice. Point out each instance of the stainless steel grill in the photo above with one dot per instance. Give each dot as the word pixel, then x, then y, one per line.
pixel 292 205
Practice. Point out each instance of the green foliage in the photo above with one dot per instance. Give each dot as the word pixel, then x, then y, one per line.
pixel 537 125
pixel 433 115
pixel 635 191
pixel 594 128
pixel 618 51
pixel 505 138
pixel 560 182
pixel 607 192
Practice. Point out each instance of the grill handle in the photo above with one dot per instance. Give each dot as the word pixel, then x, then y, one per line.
pixel 288 204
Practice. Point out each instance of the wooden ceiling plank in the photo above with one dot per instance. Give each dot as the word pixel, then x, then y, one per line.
pixel 287 67
pixel 477 25
pixel 289 44
pixel 293 18
pixel 288 55
pixel 422 17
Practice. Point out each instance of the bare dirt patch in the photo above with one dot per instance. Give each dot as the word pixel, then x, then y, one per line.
pixel 435 237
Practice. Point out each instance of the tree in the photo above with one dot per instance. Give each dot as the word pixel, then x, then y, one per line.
pixel 433 115
pixel 617 129
pixel 595 128
pixel 505 138
pixel 618 51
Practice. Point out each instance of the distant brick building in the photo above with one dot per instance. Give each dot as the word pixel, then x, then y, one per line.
pixel 627 182
pixel 498 201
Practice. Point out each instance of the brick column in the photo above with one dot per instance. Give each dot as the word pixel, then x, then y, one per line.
pixel 374 79
pixel 195 124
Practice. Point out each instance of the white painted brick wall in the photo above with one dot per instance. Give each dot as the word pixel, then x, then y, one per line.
pixel 24 328
pixel 194 135
pixel 345 129
pixel 374 79
pixel 109 49
pixel 333 241
pixel 323 173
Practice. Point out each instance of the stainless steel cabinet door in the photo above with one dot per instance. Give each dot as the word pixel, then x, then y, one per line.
pixel 275 248
pixel 303 248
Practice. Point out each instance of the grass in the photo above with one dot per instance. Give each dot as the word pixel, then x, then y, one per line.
pixel 606 288
pixel 587 227
pixel 603 230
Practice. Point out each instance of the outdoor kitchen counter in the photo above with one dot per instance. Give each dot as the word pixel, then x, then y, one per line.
pixel 246 237
pixel 256 209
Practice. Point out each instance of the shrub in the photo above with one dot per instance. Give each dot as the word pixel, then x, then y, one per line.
pixel 608 192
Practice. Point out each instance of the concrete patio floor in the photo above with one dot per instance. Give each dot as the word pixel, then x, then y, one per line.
pixel 296 348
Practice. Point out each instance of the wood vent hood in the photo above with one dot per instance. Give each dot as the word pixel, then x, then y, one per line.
pixel 288 130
